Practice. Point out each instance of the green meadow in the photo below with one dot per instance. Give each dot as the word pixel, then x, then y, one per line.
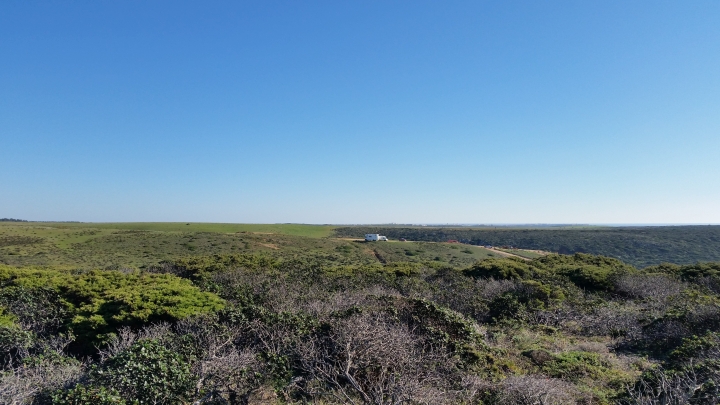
pixel 138 245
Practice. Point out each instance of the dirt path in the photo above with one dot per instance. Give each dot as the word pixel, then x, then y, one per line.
pixel 378 256
pixel 505 254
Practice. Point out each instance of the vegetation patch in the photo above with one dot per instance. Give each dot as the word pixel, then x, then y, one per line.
pixel 96 303
pixel 270 318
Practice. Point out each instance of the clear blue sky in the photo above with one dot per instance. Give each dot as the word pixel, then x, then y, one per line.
pixel 361 111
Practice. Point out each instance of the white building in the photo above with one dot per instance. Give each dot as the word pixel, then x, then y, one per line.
pixel 373 237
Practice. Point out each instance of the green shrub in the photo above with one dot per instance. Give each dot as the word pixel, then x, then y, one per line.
pixel 504 269
pixel 39 309
pixel 591 277
pixel 13 338
pixel 579 259
pixel 7 320
pixel 546 293
pixel 595 273
pixel 695 346
pixel 199 268
pixel 87 395
pixel 528 296
pixel 506 306
pixel 147 372
pixel 101 301
pixel 705 274
pixel 577 365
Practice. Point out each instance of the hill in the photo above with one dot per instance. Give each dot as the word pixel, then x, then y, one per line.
pixel 640 246
pixel 141 245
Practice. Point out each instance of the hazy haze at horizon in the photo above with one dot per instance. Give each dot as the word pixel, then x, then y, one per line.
pixel 361 112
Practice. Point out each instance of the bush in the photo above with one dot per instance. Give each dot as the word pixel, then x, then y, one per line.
pixel 525 297
pixel 374 360
pixel 12 339
pixel 33 384
pixel 506 306
pixel 591 277
pixel 38 309
pixel 147 372
pixel 654 286
pixel 200 268
pixel 84 395
pixel 575 365
pixel 704 274
pixel 535 390
pixel 694 347
pixel 691 317
pixel 501 269
pixel 102 301
pixel 688 272
pixel 581 259
pixel 681 387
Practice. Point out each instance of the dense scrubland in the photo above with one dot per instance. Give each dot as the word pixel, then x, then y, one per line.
pixel 639 246
pixel 124 316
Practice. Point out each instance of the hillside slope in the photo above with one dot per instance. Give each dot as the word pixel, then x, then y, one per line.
pixel 639 246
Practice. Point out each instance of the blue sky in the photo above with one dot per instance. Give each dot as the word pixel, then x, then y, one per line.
pixel 361 111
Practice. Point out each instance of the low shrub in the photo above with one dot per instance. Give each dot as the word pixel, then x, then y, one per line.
pixel 653 286
pixel 147 372
pixel 101 301
pixel 501 269
pixel 199 268
pixel 88 395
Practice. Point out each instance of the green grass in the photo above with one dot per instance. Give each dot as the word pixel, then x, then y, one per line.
pixel 314 231
pixel 138 245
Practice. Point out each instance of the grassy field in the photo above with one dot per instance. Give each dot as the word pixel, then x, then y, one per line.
pixel 314 231
pixel 138 245
pixel 141 244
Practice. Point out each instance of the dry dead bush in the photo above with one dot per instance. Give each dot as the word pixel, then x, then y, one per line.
pixel 679 388
pixel 126 337
pixel 614 319
pixel 711 283
pixel 223 370
pixel 370 359
pixel 535 390
pixel 653 286
pixel 494 288
pixel 668 332
pixel 22 385
pixel 344 300
pixel 563 316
